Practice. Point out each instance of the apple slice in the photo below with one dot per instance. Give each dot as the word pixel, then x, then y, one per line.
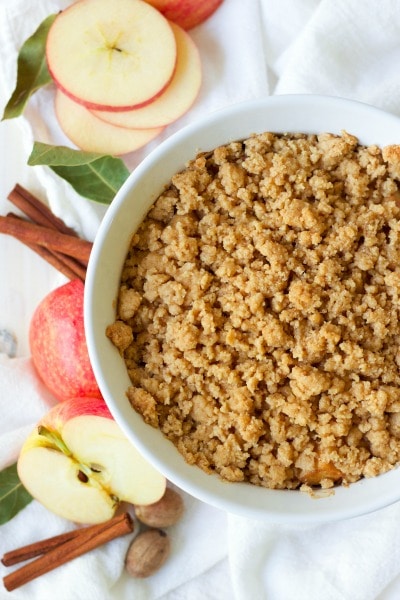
pixel 186 13
pixel 111 55
pixel 177 98
pixel 90 133
pixel 79 464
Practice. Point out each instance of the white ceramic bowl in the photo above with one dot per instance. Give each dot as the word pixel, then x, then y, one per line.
pixel 291 113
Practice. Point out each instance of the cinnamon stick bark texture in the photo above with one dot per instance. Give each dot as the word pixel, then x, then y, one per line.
pixel 86 539
pixel 31 233
pixel 30 551
pixel 37 211
pixel 40 214
pixel 68 266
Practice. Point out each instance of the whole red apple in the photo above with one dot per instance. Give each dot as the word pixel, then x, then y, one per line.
pixel 58 345
pixel 186 13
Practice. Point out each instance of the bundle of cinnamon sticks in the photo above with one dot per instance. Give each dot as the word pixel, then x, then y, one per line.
pixel 46 234
pixel 56 551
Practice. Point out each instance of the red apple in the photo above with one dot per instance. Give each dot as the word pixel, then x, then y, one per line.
pixel 79 464
pixel 177 98
pixel 58 344
pixel 186 13
pixel 92 134
pixel 111 55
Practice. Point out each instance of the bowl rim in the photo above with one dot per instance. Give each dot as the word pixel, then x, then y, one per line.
pixel 242 499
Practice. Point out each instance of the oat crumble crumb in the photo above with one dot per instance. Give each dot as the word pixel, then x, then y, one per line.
pixel 258 312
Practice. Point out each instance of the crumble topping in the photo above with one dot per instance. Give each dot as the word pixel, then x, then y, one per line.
pixel 258 311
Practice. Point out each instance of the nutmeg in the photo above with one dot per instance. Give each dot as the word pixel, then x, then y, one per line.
pixel 164 513
pixel 147 553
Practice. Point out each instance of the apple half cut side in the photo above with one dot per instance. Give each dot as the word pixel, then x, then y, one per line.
pixel 186 13
pixel 111 55
pixel 177 98
pixel 79 464
pixel 90 133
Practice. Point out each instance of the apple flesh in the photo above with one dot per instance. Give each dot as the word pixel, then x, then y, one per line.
pixel 177 98
pixel 111 55
pixel 186 13
pixel 58 344
pixel 79 464
pixel 92 134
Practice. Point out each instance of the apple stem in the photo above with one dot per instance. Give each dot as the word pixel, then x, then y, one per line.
pixel 55 438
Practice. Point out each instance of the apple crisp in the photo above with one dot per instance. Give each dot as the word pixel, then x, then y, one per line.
pixel 258 311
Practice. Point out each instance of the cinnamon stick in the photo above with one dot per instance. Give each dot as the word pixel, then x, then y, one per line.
pixel 30 551
pixel 67 265
pixel 30 233
pixel 41 214
pixel 37 211
pixel 85 540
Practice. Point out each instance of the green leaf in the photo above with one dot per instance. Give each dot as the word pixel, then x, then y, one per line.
pixel 32 72
pixel 13 496
pixel 94 176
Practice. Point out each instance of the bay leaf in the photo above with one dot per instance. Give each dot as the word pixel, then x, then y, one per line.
pixel 94 176
pixel 32 72
pixel 13 496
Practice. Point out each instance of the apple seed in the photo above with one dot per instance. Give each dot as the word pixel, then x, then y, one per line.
pixel 82 477
pixel 96 468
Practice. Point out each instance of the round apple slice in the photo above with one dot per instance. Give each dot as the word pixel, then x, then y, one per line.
pixel 177 98
pixel 89 133
pixel 111 55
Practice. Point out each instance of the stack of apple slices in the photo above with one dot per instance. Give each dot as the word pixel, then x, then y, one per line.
pixel 123 72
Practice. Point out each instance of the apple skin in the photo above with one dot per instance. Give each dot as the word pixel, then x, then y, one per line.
pixel 79 464
pixel 75 407
pixel 186 13
pixel 58 344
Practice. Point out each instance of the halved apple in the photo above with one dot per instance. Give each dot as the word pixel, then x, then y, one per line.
pixel 80 465
pixel 90 133
pixel 111 55
pixel 177 98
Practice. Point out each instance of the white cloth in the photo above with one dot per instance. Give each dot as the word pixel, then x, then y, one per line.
pixel 248 49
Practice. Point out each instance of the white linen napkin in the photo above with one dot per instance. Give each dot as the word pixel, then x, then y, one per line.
pixel 249 49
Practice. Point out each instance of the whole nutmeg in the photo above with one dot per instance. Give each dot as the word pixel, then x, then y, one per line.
pixel 164 513
pixel 147 553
